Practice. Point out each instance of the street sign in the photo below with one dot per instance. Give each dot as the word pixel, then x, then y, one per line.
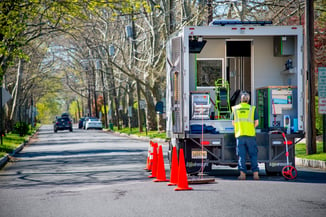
pixel 142 104
pixel 5 96
pixel 129 111
pixel 322 105
pixel 322 90
pixel 159 107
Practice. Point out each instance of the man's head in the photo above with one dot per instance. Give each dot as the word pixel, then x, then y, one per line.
pixel 245 97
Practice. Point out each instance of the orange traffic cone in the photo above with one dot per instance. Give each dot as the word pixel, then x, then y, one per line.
pixel 160 175
pixel 154 162
pixel 174 168
pixel 148 162
pixel 182 174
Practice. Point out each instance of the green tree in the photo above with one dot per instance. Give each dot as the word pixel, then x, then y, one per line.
pixel 48 108
pixel 75 110
pixel 23 21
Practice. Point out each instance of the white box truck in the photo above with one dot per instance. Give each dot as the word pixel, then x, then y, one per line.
pixel 208 67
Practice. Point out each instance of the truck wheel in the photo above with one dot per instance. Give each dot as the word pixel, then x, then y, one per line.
pixel 170 153
pixel 178 146
pixel 196 170
pixel 270 172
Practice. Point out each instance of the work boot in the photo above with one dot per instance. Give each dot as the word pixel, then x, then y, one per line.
pixel 242 176
pixel 256 176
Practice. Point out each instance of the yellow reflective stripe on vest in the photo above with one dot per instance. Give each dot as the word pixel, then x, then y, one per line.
pixel 244 120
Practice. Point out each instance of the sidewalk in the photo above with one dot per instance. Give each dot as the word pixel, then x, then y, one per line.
pixel 310 163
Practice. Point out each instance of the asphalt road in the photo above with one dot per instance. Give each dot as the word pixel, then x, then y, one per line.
pixel 98 174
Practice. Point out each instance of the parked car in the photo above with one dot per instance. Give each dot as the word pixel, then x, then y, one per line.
pixel 81 123
pixel 93 123
pixel 62 124
pixel 65 115
pixel 84 122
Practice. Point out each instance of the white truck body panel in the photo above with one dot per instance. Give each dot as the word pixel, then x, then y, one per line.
pixel 266 69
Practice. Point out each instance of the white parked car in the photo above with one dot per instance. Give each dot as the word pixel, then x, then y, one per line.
pixel 93 123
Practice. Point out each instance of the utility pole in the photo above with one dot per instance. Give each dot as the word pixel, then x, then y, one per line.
pixel 94 70
pixel 104 100
pixel 209 12
pixel 244 10
pixel 311 116
pixel 1 113
pixel 172 16
pixel 32 112
pixel 89 100
pixel 324 133
pixel 113 93
pixel 134 53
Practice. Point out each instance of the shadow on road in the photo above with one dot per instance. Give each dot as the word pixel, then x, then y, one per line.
pixel 92 168
pixel 85 158
pixel 77 158
pixel 305 175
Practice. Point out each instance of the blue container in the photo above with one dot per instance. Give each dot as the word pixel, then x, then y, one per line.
pixel 295 125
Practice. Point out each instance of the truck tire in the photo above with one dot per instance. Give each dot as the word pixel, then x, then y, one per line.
pixel 270 171
pixel 196 170
pixel 170 154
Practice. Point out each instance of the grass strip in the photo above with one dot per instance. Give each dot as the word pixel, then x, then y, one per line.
pixel 300 152
pixel 135 131
pixel 11 141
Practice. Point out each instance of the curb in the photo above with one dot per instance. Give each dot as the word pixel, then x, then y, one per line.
pixel 310 163
pixel 4 160
pixel 137 137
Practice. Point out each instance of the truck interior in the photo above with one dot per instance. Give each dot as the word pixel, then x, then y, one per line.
pixel 220 78
pixel 223 67
pixel 237 76
pixel 238 68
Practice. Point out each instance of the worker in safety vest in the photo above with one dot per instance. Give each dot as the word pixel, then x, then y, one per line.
pixel 245 120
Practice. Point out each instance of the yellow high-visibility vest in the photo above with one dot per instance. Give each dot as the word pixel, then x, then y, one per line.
pixel 244 122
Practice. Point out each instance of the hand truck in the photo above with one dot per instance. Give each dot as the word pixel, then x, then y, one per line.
pixel 288 171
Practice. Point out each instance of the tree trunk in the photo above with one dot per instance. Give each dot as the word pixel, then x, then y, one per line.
pixel 151 114
pixel 17 88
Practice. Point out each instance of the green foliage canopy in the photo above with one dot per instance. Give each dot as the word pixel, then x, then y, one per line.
pixel 47 108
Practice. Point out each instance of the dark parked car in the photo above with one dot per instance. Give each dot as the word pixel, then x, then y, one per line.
pixel 65 115
pixel 81 122
pixel 62 124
